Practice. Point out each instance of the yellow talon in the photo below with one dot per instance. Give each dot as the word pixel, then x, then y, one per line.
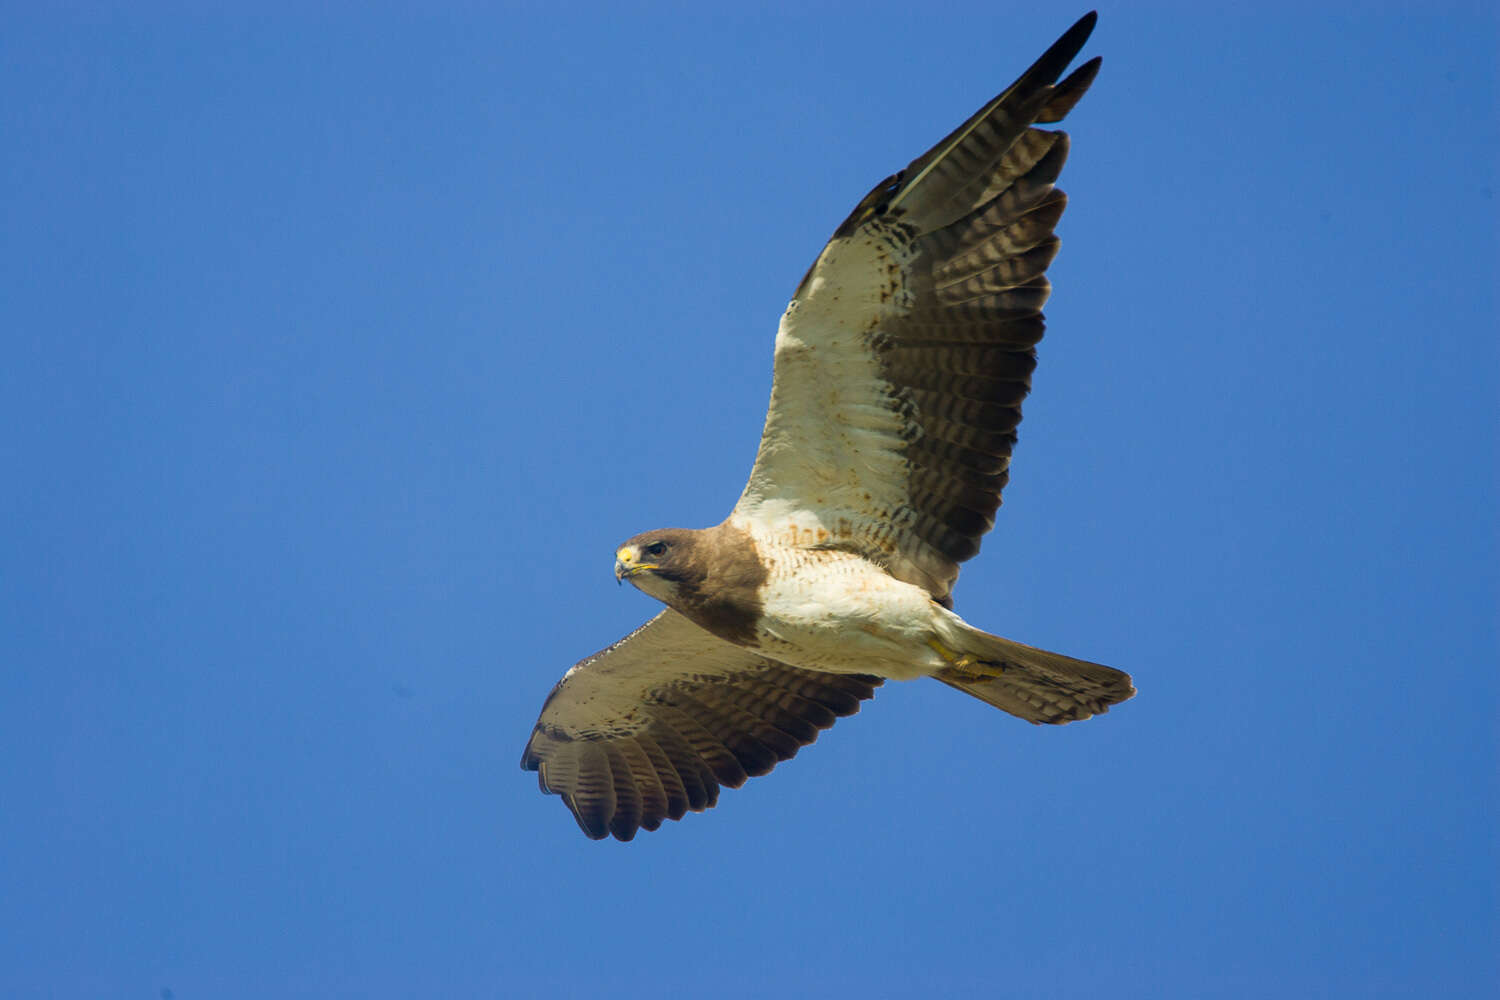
pixel 954 659
pixel 975 669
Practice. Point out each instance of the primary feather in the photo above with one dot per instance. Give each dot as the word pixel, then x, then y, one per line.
pixel 901 364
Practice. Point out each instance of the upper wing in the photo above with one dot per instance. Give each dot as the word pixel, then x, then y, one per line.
pixel 652 726
pixel 904 355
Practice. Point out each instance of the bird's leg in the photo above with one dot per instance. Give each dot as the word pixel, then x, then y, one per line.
pixel 970 668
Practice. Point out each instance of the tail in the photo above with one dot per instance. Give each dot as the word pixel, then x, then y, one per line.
pixel 1034 684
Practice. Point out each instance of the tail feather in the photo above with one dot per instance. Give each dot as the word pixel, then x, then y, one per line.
pixel 1037 685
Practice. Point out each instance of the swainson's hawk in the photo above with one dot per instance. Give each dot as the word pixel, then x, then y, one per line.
pixel 901 363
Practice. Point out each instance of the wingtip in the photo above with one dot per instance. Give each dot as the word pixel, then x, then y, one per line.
pixel 1069 92
pixel 594 826
pixel 1062 51
pixel 1075 36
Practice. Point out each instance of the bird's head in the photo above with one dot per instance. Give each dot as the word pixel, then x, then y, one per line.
pixel 659 562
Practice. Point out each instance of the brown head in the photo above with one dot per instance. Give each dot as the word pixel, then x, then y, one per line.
pixel 712 576
pixel 660 562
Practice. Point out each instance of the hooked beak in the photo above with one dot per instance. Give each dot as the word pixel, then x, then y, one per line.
pixel 627 563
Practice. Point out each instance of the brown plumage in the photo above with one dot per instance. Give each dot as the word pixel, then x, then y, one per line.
pixel 716 574
pixel 671 742
pixel 901 365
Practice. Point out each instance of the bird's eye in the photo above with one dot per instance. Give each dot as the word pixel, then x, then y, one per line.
pixel 655 549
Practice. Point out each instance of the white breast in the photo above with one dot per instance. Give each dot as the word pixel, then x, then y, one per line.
pixel 835 611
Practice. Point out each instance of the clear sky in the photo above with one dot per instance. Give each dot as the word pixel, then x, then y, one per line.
pixel 341 348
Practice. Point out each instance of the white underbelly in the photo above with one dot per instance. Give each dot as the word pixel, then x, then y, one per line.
pixel 835 611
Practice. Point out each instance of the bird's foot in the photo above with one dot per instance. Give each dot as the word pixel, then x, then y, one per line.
pixel 972 669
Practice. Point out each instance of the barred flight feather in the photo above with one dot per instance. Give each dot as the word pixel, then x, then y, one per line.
pixel 901 364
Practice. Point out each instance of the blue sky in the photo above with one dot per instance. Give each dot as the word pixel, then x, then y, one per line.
pixel 341 349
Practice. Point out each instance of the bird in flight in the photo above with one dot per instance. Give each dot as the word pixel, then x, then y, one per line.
pixel 900 367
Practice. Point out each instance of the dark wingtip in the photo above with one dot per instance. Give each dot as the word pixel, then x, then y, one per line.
pixel 1052 62
pixel 1072 40
pixel 1069 92
pixel 593 825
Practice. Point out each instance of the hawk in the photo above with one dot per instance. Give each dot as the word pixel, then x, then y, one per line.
pixel 900 367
